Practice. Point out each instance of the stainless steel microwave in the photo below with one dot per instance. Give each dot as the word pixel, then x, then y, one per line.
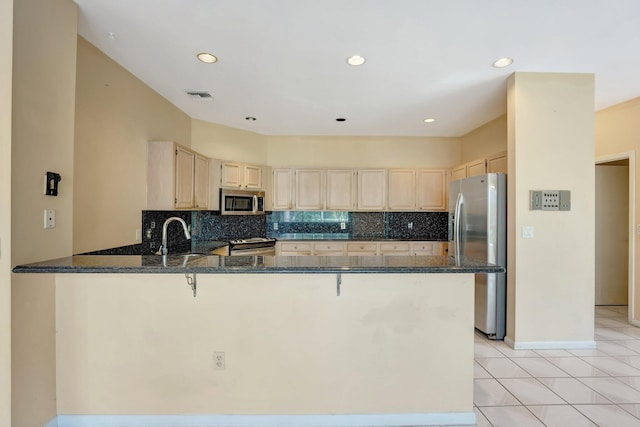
pixel 239 202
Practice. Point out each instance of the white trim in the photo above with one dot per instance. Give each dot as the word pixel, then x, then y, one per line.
pixel 545 345
pixel 631 156
pixel 347 420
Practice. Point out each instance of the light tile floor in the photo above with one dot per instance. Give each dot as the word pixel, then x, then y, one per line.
pixel 562 388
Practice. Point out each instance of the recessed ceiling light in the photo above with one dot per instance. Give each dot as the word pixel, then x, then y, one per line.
pixel 207 57
pixel 251 119
pixel 341 119
pixel 503 62
pixel 356 60
pixel 429 120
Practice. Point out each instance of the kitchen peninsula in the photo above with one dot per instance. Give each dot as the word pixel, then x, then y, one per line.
pixel 303 341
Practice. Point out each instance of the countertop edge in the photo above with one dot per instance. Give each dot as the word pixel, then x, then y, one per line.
pixel 115 264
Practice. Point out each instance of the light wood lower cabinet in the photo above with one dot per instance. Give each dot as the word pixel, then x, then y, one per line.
pixel 394 248
pixel 294 248
pixel 360 248
pixel 329 248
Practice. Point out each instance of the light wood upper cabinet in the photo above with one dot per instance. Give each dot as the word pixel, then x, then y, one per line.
pixel 309 189
pixel 340 189
pixel 459 172
pixel 185 170
pixel 361 190
pixel 372 185
pixel 282 186
pixel 401 189
pixel 201 182
pixel 241 175
pixel 177 177
pixel 253 177
pixel 492 163
pixel 477 167
pixel 432 189
pixel 497 162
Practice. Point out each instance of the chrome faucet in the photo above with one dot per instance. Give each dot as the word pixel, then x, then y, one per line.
pixel 163 248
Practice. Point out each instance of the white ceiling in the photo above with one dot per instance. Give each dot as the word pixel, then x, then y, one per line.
pixel 284 61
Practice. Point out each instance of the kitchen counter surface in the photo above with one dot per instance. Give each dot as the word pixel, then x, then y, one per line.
pixel 153 264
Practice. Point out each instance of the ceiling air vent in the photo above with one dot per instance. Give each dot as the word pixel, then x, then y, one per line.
pixel 199 95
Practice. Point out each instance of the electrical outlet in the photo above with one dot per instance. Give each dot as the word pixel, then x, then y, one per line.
pixel 275 226
pixel 219 361
pixel 410 226
pixel 49 218
pixel 343 226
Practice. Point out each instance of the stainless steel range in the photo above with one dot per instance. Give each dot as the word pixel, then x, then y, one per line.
pixel 253 246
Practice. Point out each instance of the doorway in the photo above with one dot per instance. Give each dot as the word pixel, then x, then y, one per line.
pixel 614 237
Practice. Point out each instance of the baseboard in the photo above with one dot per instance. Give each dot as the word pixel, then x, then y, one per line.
pixel 348 420
pixel 546 345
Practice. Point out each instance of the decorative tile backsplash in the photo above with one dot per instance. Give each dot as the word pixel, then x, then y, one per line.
pixel 152 222
pixel 360 225
pixel 210 225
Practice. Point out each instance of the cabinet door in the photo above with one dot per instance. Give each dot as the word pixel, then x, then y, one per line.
pixel 201 182
pixel 309 189
pixel 362 248
pixel 401 190
pixel 231 175
pixel 372 189
pixel 282 197
pixel 294 248
pixel 253 177
pixel 477 167
pixel 497 163
pixel 396 248
pixel 184 178
pixel 459 172
pixel 432 190
pixel 339 186
pixel 329 248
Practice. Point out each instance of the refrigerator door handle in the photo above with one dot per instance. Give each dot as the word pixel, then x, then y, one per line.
pixel 456 224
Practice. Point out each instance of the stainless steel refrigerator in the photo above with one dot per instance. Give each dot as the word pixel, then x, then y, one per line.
pixel 478 231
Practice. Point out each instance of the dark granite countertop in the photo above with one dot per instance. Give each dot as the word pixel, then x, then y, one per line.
pixel 152 264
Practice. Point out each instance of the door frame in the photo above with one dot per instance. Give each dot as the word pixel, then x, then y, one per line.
pixel 631 157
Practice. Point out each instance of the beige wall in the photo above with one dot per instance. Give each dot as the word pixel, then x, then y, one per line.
pixel 361 151
pixel 6 52
pixel 44 64
pixel 551 276
pixel 116 114
pixel 490 138
pixel 114 358
pixel 43 108
pixel 226 143
pixel 617 130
